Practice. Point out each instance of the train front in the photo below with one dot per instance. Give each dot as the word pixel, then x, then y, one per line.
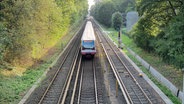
pixel 88 47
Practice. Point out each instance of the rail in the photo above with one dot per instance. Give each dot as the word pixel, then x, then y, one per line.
pixel 126 92
pixel 55 83
pixel 69 77
pixel 88 79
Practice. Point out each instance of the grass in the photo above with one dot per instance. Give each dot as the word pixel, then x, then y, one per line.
pixel 171 73
pixel 168 71
pixel 13 87
pixel 164 89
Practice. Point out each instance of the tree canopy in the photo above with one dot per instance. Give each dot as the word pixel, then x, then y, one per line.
pixel 161 25
pixel 117 20
pixel 159 29
pixel 103 11
pixel 29 28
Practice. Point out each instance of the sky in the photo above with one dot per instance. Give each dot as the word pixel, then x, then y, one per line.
pixel 91 2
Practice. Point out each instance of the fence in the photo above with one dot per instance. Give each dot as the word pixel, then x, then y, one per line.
pixel 157 75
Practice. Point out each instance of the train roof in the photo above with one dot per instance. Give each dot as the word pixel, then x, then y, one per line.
pixel 88 33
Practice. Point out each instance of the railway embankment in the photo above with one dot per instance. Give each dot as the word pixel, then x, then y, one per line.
pixel 156 74
pixel 178 93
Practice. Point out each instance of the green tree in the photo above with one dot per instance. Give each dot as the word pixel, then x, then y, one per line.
pixel 103 12
pixel 160 27
pixel 142 36
pixel 29 28
pixel 117 20
pixel 124 6
pixel 171 47
pixel 155 17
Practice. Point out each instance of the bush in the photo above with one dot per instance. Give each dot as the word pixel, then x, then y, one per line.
pixel 141 36
pixel 171 47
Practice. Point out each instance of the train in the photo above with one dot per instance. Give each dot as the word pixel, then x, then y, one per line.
pixel 88 41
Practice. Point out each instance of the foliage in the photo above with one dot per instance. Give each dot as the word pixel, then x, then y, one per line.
pixel 171 46
pixel 29 28
pixel 103 12
pixel 4 41
pixel 141 35
pixel 117 20
pixel 160 29
pixel 124 6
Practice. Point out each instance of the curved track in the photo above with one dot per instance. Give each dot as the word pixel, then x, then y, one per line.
pixel 130 86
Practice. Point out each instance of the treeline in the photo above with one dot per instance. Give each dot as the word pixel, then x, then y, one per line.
pixel 160 27
pixel 28 28
pixel 103 10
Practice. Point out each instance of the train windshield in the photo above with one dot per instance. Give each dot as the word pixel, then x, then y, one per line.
pixel 88 44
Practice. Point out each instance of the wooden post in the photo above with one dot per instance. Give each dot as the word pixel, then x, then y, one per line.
pixel 116 88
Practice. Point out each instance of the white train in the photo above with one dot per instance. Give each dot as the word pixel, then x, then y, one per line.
pixel 88 46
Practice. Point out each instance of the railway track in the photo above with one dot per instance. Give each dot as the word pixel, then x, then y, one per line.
pixel 56 88
pixel 88 84
pixel 83 88
pixel 134 89
pixel 81 84
pixel 78 81
pixel 69 89
pixel 73 81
